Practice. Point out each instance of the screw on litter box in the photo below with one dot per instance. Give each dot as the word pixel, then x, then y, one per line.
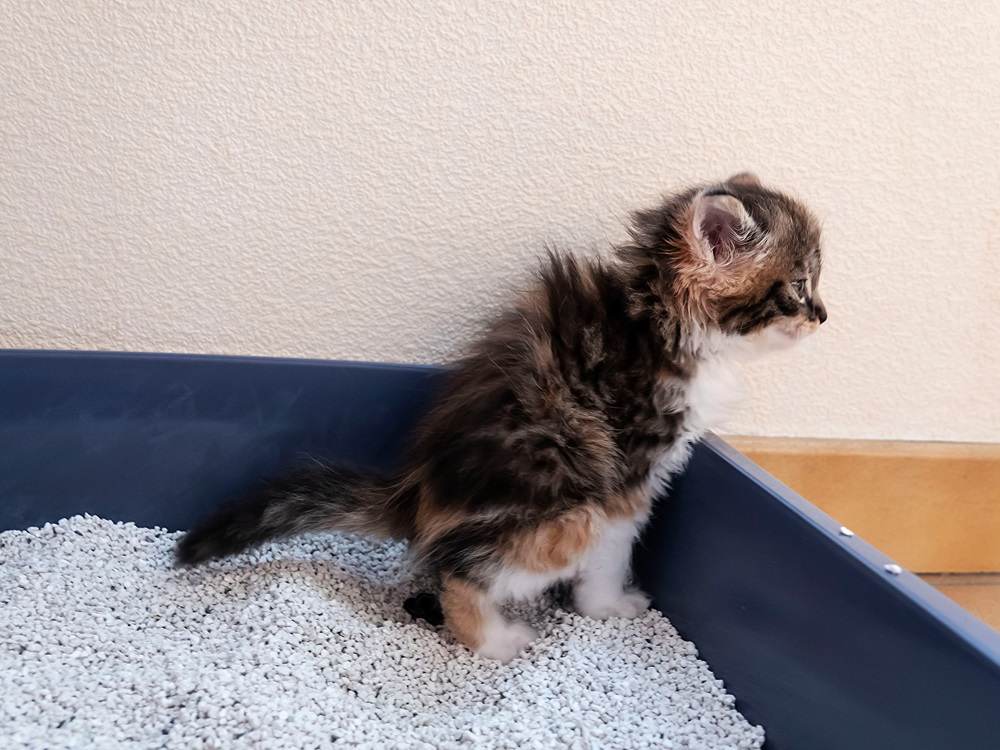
pixel 893 569
pixel 844 531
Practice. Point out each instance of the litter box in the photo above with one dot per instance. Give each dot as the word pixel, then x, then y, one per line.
pixel 819 641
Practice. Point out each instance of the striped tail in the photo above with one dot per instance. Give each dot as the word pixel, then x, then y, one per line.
pixel 317 498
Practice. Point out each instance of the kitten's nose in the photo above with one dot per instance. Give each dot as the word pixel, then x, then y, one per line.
pixel 818 310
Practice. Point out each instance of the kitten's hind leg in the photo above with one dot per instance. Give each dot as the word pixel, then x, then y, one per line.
pixel 600 591
pixel 474 619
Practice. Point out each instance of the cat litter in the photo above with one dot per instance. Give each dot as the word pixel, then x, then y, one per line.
pixel 306 644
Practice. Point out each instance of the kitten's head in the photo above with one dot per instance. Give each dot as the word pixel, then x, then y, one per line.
pixel 745 260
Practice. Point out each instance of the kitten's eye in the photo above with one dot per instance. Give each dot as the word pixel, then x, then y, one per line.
pixel 799 286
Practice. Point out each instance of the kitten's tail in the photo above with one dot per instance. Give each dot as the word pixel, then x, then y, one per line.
pixel 318 498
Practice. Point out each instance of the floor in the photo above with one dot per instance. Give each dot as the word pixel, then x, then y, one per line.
pixel 979 593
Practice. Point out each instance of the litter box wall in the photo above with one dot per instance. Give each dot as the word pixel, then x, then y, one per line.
pixel 818 642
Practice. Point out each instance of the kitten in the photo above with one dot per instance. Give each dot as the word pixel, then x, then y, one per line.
pixel 541 457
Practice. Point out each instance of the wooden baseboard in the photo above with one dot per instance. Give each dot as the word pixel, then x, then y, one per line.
pixel 979 593
pixel 934 507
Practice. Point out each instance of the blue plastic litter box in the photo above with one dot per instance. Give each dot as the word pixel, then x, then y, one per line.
pixel 818 642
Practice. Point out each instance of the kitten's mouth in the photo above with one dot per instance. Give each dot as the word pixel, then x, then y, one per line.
pixel 798 329
pixel 808 328
pixel 782 334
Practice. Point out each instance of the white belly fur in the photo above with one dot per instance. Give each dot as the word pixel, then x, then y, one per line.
pixel 709 398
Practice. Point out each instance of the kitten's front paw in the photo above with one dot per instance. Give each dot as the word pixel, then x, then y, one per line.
pixel 628 604
pixel 504 642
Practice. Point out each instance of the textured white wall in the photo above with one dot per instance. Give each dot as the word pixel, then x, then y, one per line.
pixel 367 180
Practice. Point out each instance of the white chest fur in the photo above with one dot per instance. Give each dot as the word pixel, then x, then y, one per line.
pixel 705 402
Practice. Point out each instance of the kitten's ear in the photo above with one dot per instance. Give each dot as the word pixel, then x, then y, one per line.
pixel 744 179
pixel 721 227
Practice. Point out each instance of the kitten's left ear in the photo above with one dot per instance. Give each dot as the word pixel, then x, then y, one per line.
pixel 721 227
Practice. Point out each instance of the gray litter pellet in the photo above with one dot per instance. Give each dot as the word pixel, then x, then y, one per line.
pixel 306 644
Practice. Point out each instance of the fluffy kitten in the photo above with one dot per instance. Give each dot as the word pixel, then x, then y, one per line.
pixel 541 457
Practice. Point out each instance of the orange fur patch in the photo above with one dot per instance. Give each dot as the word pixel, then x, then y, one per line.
pixel 462 605
pixel 554 544
pixel 632 503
